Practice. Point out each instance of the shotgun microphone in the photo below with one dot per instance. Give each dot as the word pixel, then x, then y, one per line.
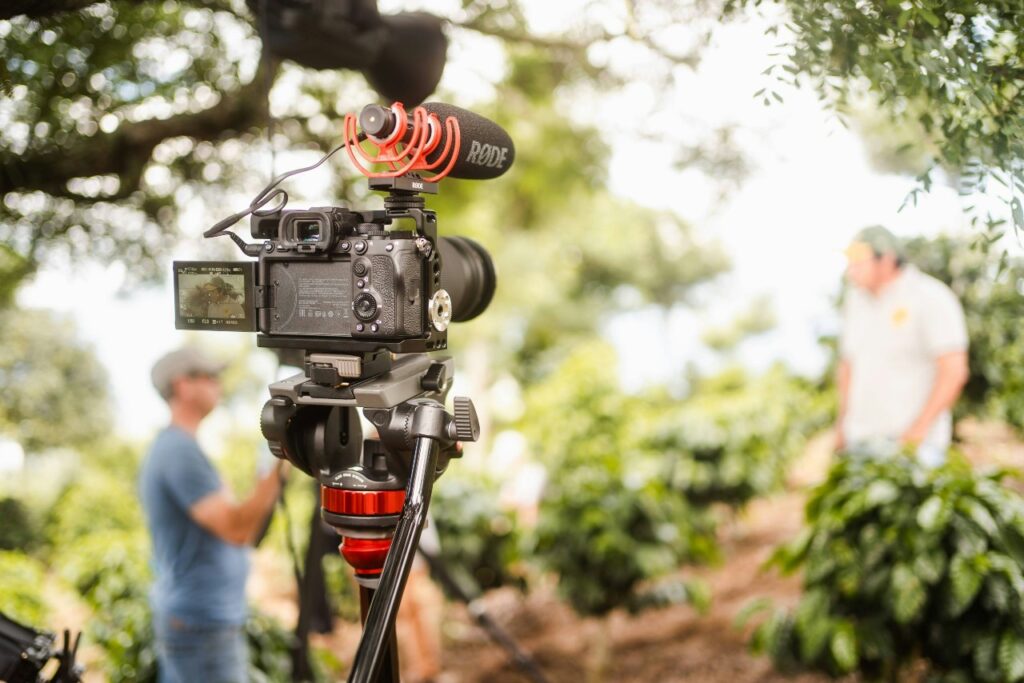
pixel 486 150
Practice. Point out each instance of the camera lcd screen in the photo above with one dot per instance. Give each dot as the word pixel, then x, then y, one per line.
pixel 214 295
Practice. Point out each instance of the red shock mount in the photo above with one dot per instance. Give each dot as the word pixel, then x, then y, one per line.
pixel 411 146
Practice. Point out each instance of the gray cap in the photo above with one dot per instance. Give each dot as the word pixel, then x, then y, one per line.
pixel 185 361
pixel 879 239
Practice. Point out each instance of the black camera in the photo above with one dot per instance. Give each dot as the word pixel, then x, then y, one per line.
pixel 361 296
pixel 331 279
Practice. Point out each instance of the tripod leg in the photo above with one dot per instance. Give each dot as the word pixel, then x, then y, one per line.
pixel 379 628
pixel 389 672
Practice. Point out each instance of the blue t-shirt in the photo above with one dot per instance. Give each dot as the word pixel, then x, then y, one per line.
pixel 199 578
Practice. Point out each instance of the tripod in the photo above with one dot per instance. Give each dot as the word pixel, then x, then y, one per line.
pixel 374 492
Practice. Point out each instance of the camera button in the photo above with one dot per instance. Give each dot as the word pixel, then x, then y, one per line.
pixel 360 327
pixel 345 246
pixel 389 247
pixel 360 284
pixel 360 247
pixel 359 268
pixel 374 327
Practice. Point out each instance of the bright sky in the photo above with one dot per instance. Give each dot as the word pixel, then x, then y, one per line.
pixel 784 228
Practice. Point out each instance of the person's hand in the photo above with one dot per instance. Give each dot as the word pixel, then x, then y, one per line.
pixel 838 440
pixel 914 435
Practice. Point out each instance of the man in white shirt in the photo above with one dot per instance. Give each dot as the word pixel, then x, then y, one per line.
pixel 902 354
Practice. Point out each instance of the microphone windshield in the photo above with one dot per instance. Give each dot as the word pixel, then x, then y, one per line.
pixel 486 150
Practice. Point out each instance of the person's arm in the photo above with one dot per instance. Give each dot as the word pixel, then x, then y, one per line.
pixel 843 389
pixel 950 377
pixel 238 523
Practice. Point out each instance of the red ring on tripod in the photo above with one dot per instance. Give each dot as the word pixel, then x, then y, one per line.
pixel 361 503
pixel 365 555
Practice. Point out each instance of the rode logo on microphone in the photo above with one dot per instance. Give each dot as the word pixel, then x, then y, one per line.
pixel 491 156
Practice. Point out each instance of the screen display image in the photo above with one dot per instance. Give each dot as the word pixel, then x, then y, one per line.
pixel 214 296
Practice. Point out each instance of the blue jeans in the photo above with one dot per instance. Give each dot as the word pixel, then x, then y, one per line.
pixel 192 653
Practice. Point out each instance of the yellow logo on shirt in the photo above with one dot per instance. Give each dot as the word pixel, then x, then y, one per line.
pixel 899 316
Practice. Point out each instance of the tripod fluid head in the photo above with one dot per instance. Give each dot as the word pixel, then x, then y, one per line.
pixel 374 491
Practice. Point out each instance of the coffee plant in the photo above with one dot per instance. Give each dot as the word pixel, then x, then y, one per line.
pixel 902 565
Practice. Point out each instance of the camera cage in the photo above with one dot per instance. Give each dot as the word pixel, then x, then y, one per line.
pixel 403 201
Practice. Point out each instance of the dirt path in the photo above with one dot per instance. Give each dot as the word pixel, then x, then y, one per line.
pixel 670 644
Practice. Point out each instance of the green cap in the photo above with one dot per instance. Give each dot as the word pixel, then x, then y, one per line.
pixel 880 239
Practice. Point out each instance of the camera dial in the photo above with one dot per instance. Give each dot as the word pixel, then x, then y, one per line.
pixel 365 306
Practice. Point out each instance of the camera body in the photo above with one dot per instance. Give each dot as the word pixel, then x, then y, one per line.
pixel 330 273
pixel 327 279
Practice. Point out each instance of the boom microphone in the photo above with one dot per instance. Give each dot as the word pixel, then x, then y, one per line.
pixel 486 150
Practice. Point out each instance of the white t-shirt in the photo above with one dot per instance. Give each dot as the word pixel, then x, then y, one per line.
pixel 891 342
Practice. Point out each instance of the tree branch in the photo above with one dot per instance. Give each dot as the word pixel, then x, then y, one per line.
pixel 126 151
pixel 524 38
pixel 33 9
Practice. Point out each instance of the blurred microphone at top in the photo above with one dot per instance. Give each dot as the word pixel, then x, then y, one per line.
pixel 401 55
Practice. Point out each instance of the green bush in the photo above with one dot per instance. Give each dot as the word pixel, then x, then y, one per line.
pixel 734 437
pixel 478 537
pixel 110 571
pixel 610 527
pixel 21 528
pixel 21 589
pixel 609 524
pixel 902 563
pixel 632 479
pixel 95 501
pixel 270 645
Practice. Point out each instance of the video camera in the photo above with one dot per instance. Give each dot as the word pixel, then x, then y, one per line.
pixel 338 280
pixel 363 294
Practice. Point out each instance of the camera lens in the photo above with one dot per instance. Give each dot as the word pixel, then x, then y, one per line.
pixel 467 273
pixel 365 306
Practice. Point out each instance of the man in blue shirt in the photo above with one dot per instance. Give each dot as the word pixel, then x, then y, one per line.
pixel 200 533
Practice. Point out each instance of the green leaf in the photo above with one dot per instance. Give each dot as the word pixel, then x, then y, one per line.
pixel 908 593
pixel 813 624
pixel 750 610
pixel 965 581
pixel 929 16
pixel 934 514
pixel 980 515
pixel 881 492
pixel 844 646
pixel 929 566
pixel 984 656
pixel 1011 656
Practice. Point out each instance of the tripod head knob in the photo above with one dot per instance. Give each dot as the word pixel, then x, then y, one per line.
pixel 466 425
